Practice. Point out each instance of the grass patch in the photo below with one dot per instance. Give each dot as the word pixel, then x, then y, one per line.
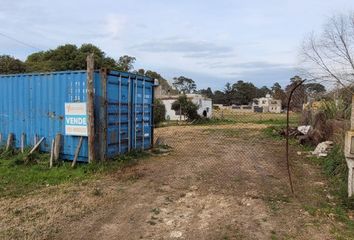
pixel 229 117
pixel 228 132
pixel 275 201
pixel 273 133
pixel 257 118
pixel 272 121
pixel 334 167
pixel 17 178
pixel 214 121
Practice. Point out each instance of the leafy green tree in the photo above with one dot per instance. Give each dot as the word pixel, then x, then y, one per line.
pixel 67 57
pixel 315 89
pixel 206 92
pixel 186 107
pixel 299 96
pixel 228 92
pixel 101 60
pixel 141 71
pixel 166 87
pixel 184 85
pixel 219 97
pixel 159 111
pixel 9 65
pixel 279 94
pixel 243 92
pixel 126 63
pixel 263 91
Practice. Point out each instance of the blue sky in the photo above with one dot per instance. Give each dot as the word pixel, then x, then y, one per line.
pixel 213 42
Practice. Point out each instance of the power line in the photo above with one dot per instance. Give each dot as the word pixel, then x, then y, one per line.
pixel 20 42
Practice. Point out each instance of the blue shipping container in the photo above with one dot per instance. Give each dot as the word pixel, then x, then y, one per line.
pixel 34 105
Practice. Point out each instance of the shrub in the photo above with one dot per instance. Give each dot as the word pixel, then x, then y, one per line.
pixel 335 167
pixel 159 111
pixel 336 109
pixel 186 108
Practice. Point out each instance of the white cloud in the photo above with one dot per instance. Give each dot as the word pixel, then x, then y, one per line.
pixel 114 25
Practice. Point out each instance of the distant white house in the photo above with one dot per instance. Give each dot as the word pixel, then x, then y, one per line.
pixel 267 104
pixel 204 105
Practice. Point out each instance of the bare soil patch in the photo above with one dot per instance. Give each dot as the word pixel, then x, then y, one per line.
pixel 219 182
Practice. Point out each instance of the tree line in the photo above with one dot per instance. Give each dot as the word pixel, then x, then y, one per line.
pixel 72 57
pixel 243 93
pixel 63 58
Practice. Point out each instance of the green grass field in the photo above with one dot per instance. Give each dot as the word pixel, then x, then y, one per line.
pixel 257 118
pixel 18 178
pixel 232 117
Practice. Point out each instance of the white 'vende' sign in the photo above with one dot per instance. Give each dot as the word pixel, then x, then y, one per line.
pixel 75 119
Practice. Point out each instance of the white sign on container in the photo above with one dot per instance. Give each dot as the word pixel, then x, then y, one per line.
pixel 75 119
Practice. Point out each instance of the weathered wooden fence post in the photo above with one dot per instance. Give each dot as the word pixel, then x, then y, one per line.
pixel 10 139
pixel 90 108
pixel 57 147
pixel 77 151
pixel 51 154
pixel 103 115
pixel 349 153
pixel 23 140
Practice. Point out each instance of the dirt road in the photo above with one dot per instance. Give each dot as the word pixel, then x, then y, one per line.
pixel 218 182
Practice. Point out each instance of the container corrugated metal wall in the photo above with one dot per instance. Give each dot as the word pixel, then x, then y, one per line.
pixel 34 104
pixel 142 114
pixel 118 111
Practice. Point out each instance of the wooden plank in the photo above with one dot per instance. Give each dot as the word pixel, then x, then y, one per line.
pixel 77 151
pixel 90 108
pixel 36 146
pixel 35 140
pixel 57 147
pixel 52 154
pixel 23 140
pixel 352 116
pixel 10 139
pixel 103 116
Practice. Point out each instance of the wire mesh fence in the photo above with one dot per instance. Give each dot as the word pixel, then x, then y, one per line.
pixel 240 154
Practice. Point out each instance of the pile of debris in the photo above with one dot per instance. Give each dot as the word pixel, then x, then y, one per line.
pixel 316 135
pixel 323 149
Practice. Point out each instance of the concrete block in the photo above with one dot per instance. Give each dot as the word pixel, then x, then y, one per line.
pixel 349 144
pixel 352 116
pixel 350 164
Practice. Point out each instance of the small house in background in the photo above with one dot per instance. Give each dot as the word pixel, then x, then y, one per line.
pixel 204 104
pixel 267 104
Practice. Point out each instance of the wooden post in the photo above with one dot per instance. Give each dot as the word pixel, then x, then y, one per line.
pixel 23 139
pixel 36 146
pixel 103 115
pixel 10 139
pixel 0 139
pixel 51 154
pixel 352 116
pixel 35 139
pixel 77 151
pixel 57 147
pixel 90 108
